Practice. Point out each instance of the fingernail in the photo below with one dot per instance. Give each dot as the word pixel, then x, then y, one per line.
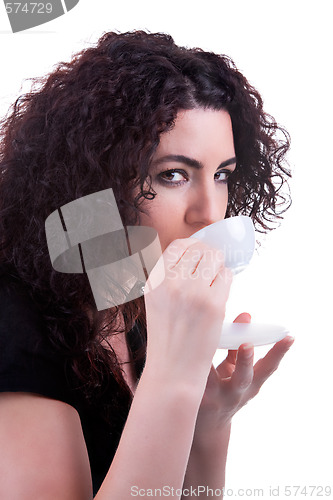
pixel 290 340
pixel 247 350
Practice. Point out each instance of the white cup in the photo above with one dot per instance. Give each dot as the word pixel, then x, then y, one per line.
pixel 234 236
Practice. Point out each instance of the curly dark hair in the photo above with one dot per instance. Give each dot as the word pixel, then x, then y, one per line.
pixel 94 123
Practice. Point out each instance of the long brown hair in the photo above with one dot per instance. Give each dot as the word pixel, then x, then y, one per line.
pixel 94 123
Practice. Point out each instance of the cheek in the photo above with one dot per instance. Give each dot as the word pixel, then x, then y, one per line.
pixel 226 200
pixel 167 226
pixel 168 223
pixel 164 211
pixel 160 218
pixel 220 201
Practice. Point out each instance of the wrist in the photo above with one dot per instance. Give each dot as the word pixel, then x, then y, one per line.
pixel 167 385
pixel 192 383
pixel 211 439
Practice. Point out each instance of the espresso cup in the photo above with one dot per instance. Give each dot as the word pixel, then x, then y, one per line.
pixel 234 236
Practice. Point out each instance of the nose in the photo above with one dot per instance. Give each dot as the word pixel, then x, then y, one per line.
pixel 206 205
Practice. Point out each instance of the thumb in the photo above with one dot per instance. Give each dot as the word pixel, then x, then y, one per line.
pixel 243 318
pixel 232 353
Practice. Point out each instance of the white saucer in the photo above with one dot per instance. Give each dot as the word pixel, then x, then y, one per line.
pixel 235 334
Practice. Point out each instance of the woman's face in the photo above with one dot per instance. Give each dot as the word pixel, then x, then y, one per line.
pixel 189 173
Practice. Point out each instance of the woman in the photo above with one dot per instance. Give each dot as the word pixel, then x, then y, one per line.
pixel 125 401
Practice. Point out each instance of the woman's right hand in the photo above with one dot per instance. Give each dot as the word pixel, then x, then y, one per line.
pixel 186 310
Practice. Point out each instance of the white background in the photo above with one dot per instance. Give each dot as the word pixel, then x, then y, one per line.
pixel 284 436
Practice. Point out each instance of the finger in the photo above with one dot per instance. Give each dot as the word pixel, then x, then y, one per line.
pixel 176 250
pixel 211 266
pixel 266 366
pixel 221 279
pixel 232 356
pixel 199 259
pixel 225 369
pixel 232 353
pixel 243 318
pixel 213 378
pixel 242 377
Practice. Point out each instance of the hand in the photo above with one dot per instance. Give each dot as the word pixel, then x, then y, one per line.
pixel 235 381
pixel 185 312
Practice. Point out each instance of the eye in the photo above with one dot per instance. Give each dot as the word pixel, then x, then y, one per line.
pixel 176 177
pixel 172 177
pixel 224 176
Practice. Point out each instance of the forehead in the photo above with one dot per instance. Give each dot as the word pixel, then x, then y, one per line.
pixel 199 131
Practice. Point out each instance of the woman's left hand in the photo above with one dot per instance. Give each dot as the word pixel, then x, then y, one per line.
pixel 235 381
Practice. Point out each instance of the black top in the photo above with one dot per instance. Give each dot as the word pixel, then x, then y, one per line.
pixel 29 363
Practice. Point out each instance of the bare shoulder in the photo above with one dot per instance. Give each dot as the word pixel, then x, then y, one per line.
pixel 43 452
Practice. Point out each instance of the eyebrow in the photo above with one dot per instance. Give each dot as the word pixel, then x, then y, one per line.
pixel 190 161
